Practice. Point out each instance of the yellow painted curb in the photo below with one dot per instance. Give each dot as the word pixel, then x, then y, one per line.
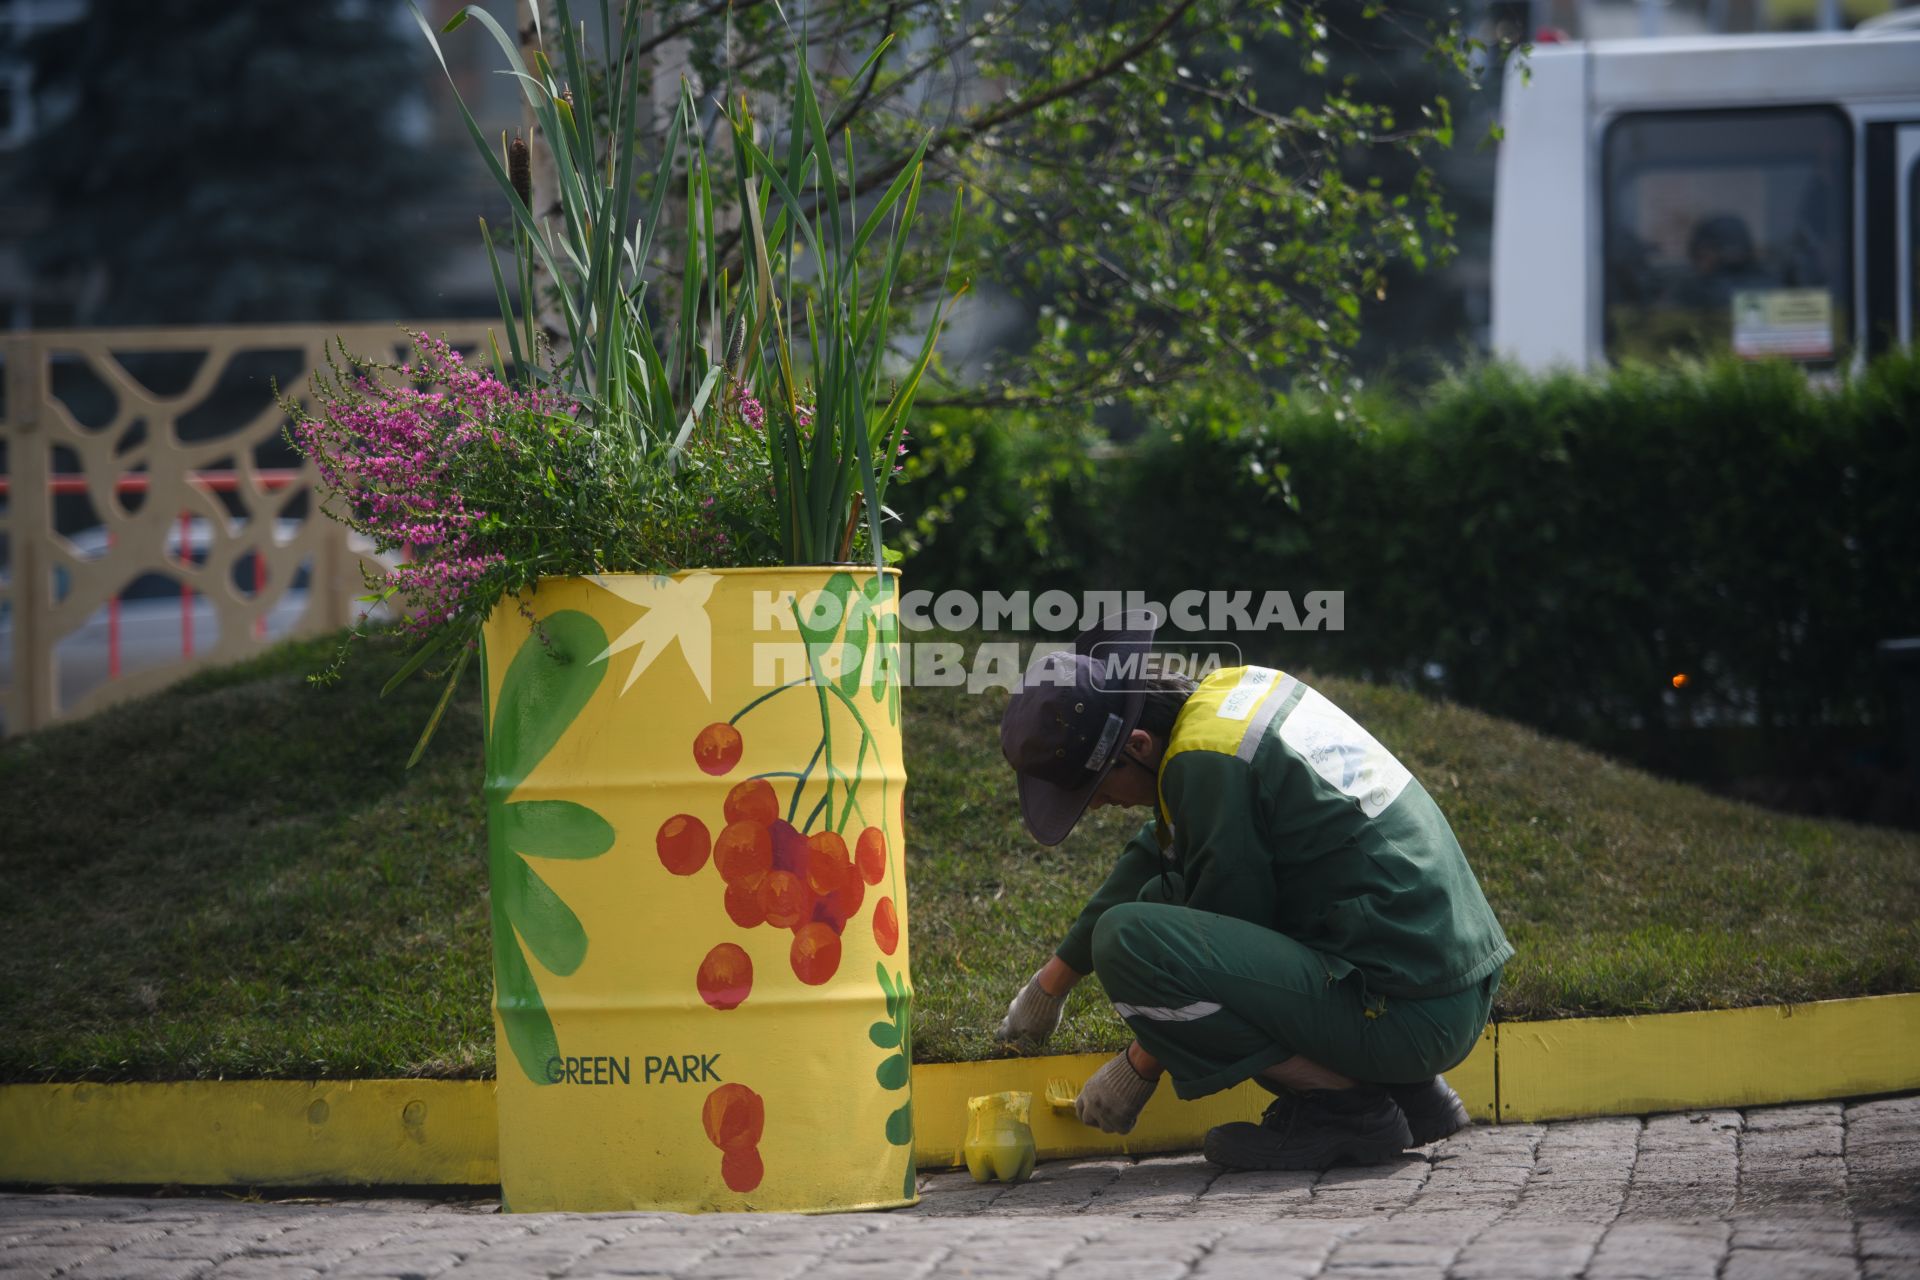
pixel 251 1133
pixel 1717 1058
pixel 441 1132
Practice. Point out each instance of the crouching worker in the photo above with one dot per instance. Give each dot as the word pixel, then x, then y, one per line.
pixel 1297 912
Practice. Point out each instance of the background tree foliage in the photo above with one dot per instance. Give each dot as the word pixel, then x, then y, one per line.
pixel 205 162
pixel 1150 194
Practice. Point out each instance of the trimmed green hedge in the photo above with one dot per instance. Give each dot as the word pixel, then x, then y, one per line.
pixel 1554 549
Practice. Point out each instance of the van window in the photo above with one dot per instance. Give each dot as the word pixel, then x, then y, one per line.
pixel 1729 231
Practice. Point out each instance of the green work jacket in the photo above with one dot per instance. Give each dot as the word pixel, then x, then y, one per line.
pixel 1278 809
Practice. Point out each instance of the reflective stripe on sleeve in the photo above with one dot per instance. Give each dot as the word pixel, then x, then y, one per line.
pixel 1257 727
pixel 1185 1013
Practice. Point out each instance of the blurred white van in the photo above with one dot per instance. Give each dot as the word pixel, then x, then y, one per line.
pixel 1700 195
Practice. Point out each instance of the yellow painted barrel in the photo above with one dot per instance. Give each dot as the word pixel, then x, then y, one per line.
pixel 694 793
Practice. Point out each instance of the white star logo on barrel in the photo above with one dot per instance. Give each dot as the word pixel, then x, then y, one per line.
pixel 676 610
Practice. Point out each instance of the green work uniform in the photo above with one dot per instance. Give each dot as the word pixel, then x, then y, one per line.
pixel 1301 893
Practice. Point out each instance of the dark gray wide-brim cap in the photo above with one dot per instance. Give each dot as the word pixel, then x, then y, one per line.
pixel 1065 725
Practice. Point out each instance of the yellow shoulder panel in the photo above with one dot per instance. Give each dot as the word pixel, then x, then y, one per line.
pixel 1217 715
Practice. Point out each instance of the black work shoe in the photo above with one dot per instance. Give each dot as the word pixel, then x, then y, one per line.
pixel 1433 1110
pixel 1314 1130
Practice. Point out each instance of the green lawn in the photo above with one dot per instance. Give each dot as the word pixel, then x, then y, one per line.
pixel 236 878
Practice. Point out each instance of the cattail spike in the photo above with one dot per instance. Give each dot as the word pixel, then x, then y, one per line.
pixel 737 343
pixel 520 170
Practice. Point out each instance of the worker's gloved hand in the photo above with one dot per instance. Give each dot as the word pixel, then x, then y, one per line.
pixel 1112 1099
pixel 1031 1018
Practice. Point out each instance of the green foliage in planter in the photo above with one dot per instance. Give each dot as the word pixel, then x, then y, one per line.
pixel 830 446
pixel 833 427
pixel 639 443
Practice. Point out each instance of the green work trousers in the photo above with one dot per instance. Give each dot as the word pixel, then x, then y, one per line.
pixel 1218 1000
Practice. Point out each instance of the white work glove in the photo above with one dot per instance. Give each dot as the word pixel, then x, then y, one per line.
pixel 1112 1099
pixel 1031 1018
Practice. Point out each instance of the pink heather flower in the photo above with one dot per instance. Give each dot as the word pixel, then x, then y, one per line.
pixel 389 454
pixel 752 412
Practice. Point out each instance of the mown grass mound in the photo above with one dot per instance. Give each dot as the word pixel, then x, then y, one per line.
pixel 237 878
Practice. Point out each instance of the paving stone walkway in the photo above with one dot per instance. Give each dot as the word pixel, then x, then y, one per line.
pixel 1782 1193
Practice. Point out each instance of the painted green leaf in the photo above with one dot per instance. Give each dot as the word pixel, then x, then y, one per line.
pixel 835 606
pixel 822 622
pixel 543 691
pixel 886 660
pixel 885 1035
pixel 551 931
pixel 541 694
pixel 523 1014
pixel 866 629
pixel 555 829
pixel 886 632
pixel 900 1125
pixel 892 1072
pixel 853 653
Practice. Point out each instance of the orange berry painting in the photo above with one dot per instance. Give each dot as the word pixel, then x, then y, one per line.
pixel 735 1117
pixel 886 925
pixel 743 904
pixel 716 749
pixel 871 854
pixel 683 844
pixel 827 866
pixel 742 1170
pixel 816 953
pixel 725 977
pixel 786 899
pixel 743 851
pixel 752 801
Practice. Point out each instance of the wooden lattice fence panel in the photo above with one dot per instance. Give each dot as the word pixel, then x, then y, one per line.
pixel 173 484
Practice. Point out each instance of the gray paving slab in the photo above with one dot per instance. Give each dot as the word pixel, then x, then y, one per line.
pixel 1827 1191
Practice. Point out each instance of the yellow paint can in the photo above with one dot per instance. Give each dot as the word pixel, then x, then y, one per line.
pixel 999 1137
pixel 694 791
